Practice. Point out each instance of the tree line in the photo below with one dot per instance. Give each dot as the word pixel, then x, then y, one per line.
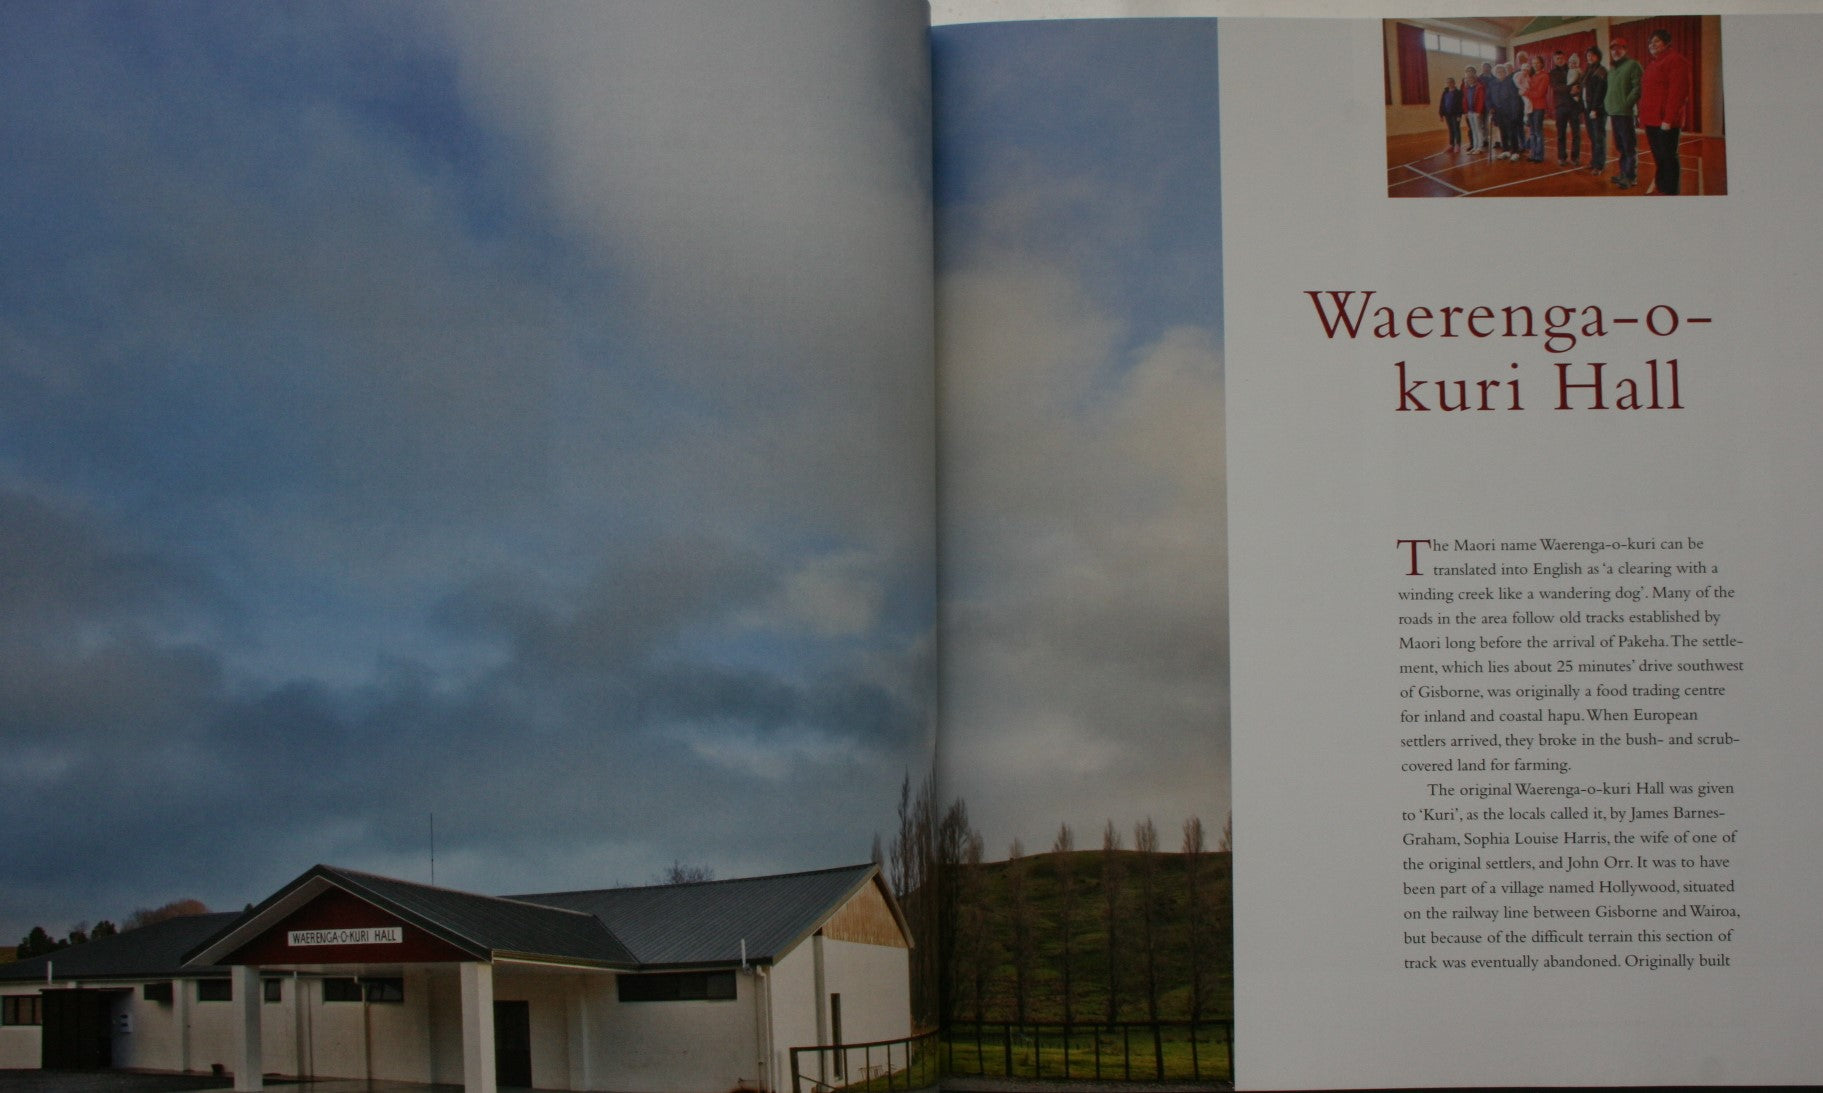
pixel 39 941
pixel 1124 932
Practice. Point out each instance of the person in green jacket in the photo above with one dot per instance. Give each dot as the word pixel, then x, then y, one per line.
pixel 1623 95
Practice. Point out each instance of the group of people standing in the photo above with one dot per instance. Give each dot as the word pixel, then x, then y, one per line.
pixel 1504 108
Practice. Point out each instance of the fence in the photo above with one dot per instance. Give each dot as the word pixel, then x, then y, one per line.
pixel 1197 1051
pixel 1129 1051
pixel 883 1065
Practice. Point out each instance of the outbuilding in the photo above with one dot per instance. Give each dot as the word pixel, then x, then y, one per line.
pixel 672 988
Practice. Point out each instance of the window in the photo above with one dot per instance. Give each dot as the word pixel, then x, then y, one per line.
pixel 341 990
pixel 215 990
pixel 1464 47
pixel 378 989
pixel 677 987
pixel 22 1009
pixel 157 992
pixel 274 988
pixel 385 990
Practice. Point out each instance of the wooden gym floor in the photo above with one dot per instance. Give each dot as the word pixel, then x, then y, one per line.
pixel 1421 165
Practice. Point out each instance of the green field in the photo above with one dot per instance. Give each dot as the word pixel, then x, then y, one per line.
pixel 1111 1053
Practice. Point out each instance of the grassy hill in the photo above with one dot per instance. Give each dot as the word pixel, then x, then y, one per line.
pixel 1021 912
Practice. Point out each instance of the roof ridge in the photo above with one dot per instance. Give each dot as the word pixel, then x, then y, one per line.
pixel 533 896
pixel 520 900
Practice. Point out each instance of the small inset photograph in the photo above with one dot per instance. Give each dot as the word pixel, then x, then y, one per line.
pixel 1555 106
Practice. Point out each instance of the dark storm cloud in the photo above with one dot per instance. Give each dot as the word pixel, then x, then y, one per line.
pixel 63 567
pixel 240 788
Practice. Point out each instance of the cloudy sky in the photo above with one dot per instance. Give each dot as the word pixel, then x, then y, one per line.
pixel 520 414
pixel 1085 630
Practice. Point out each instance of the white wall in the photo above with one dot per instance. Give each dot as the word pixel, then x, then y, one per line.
pixel 675 1047
pixel 793 1011
pixel 210 1032
pixel 875 984
pixel 278 1029
pixel 190 1035
pixel 873 980
pixel 398 1035
pixel 183 1034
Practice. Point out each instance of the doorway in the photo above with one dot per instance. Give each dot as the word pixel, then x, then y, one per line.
pixel 78 1030
pixel 513 1044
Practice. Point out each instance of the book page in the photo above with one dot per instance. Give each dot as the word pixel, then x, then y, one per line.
pixel 1521 533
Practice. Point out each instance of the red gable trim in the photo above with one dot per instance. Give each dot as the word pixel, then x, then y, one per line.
pixel 337 910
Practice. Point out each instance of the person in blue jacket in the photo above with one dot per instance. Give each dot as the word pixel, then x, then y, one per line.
pixel 1449 108
pixel 1509 111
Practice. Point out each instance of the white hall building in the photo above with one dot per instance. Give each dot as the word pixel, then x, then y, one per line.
pixel 687 988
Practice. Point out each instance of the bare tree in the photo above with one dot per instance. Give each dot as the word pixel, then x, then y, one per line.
pixel 1020 927
pixel 925 864
pixel 1113 880
pixel 911 869
pixel 910 847
pixel 1195 915
pixel 683 873
pixel 1145 841
pixel 950 846
pixel 973 925
pixel 1061 850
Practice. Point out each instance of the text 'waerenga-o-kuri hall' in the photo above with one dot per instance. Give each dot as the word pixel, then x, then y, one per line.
pixel 340 974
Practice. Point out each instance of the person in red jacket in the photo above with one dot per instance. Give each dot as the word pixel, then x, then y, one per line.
pixel 1664 107
pixel 1475 110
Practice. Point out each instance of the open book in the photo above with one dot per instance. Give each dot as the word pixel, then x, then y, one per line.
pixel 701 546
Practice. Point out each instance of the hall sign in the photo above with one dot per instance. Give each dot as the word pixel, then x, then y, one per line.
pixel 355 935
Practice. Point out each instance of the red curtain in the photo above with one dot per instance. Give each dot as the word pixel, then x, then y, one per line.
pixel 1414 68
pixel 1686 37
pixel 1386 76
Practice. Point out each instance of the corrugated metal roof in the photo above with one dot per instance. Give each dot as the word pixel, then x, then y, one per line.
pixel 705 922
pixel 654 927
pixel 150 952
pixel 497 924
